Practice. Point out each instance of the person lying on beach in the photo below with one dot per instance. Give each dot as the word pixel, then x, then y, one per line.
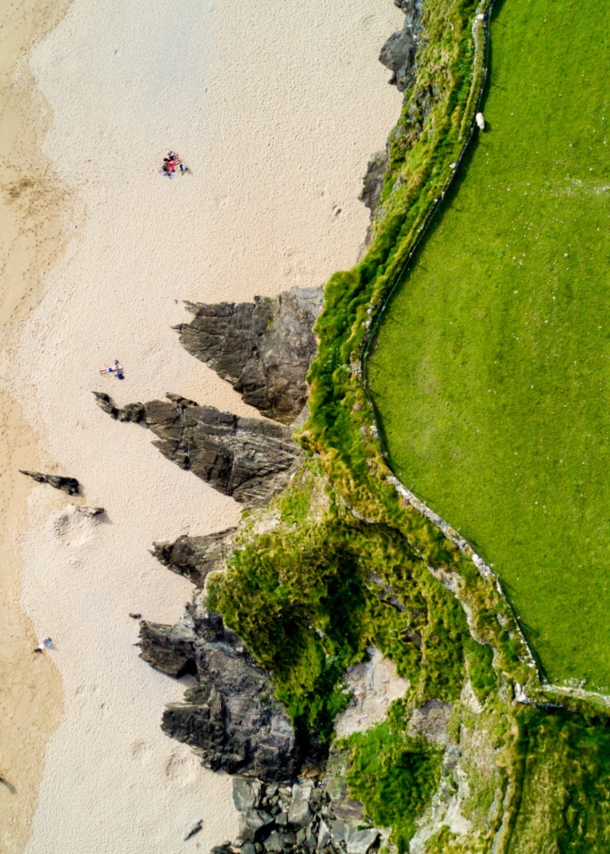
pixel 114 368
pixel 170 162
pixel 44 643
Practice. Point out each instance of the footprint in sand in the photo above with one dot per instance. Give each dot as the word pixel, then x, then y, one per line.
pixel 183 770
pixel 141 751
pixel 71 528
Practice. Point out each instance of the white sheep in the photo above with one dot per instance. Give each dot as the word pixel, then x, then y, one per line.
pixel 480 120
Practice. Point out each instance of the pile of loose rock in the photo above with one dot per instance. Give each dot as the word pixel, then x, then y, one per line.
pixel 301 818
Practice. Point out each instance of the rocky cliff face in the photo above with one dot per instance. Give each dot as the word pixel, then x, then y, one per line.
pixel 230 717
pixel 246 458
pixel 263 348
pixel 398 53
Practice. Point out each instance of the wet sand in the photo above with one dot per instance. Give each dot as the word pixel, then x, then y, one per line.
pixel 32 208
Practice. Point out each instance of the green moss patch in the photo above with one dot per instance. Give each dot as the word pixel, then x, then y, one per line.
pixel 309 600
pixel 564 794
pixel 394 777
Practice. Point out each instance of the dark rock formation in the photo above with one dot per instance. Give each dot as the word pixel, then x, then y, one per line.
pixel 132 412
pixel 67 484
pixel 263 348
pixel 398 53
pixel 90 512
pixel 169 649
pixel 195 557
pixel 372 183
pixel 194 829
pixel 278 819
pixel 243 457
pixel 230 717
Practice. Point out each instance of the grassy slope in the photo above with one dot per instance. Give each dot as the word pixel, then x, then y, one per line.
pixel 491 372
pixel 537 781
pixel 311 595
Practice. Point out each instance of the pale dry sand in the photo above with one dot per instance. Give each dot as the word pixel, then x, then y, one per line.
pixel 276 109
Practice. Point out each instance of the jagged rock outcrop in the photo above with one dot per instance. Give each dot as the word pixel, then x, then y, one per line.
pixel 374 684
pixel 263 348
pixel 195 557
pixel 246 458
pixel 398 53
pixel 372 183
pixel 277 819
pixel 230 717
pixel 132 412
pixel 169 649
pixel 66 484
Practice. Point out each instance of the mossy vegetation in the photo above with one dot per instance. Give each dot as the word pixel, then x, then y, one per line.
pixel 430 135
pixel 565 783
pixel 341 562
pixel 309 598
pixel 394 776
pixel 491 369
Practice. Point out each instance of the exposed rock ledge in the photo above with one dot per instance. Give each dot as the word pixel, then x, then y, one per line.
pixel 243 457
pixel 277 820
pixel 66 484
pixel 230 717
pixel 195 557
pixel 398 53
pixel 263 348
pixel 374 685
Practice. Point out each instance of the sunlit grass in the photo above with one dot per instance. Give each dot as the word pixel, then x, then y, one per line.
pixel 492 368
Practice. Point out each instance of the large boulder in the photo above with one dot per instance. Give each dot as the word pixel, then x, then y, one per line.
pixel 169 649
pixel 263 348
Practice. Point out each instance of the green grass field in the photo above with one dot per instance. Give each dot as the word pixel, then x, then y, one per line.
pixel 492 369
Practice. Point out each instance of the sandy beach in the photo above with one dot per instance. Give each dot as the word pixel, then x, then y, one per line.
pixel 33 206
pixel 276 110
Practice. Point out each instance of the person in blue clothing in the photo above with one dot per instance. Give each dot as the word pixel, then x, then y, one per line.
pixel 115 368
